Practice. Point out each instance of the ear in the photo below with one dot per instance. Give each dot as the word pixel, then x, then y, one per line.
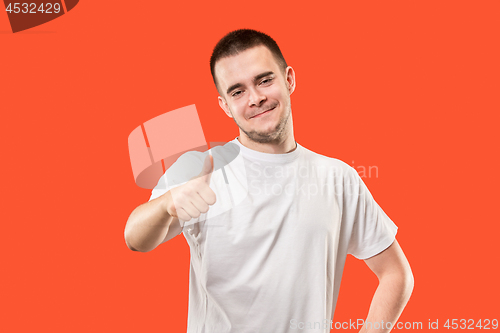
pixel 224 106
pixel 290 79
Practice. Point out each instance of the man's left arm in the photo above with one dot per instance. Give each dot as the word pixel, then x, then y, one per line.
pixel 393 292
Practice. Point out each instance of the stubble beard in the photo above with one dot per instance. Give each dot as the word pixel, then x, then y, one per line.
pixel 274 135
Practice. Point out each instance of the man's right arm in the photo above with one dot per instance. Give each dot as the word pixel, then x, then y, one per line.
pixel 150 225
pixel 157 221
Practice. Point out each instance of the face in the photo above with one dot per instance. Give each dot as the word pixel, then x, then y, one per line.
pixel 255 92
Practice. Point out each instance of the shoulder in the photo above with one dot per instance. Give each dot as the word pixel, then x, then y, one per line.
pixel 187 166
pixel 190 163
pixel 224 155
pixel 335 165
pixel 190 157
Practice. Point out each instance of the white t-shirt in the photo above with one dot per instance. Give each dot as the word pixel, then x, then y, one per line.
pixel 268 256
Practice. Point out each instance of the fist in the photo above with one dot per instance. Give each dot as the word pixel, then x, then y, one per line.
pixel 193 198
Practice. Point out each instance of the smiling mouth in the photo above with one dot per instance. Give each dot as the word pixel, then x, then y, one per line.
pixel 263 112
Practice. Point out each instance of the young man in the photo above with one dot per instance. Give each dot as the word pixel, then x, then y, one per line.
pixel 273 261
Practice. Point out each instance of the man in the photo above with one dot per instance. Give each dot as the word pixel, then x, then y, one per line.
pixel 272 262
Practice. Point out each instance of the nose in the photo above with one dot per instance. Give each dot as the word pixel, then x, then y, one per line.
pixel 255 97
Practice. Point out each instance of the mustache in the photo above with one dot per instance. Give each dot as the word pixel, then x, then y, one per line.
pixel 264 109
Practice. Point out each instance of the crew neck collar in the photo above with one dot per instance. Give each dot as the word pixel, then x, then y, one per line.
pixel 268 157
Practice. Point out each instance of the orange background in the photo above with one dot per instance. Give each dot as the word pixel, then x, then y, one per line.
pixel 409 87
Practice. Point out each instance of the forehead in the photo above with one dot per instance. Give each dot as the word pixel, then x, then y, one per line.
pixel 244 66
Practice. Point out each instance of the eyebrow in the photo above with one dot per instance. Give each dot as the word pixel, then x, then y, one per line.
pixel 256 78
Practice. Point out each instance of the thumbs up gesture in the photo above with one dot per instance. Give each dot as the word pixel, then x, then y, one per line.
pixel 194 197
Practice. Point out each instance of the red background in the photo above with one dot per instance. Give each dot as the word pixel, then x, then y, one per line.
pixel 409 87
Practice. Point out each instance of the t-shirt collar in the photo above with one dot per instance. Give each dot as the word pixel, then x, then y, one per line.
pixel 268 157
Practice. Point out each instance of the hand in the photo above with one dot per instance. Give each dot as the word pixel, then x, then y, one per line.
pixel 193 198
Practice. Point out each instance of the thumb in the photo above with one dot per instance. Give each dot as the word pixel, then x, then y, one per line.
pixel 208 168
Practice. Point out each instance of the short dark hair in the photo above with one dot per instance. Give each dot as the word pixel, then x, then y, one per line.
pixel 240 40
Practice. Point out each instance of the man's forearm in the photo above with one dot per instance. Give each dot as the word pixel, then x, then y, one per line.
pixel 391 296
pixel 147 226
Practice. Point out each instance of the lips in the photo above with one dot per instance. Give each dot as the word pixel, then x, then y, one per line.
pixel 257 115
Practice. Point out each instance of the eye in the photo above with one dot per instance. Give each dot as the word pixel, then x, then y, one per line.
pixel 266 81
pixel 236 93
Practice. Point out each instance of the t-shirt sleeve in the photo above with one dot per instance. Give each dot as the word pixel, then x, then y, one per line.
pixel 372 230
pixel 186 167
